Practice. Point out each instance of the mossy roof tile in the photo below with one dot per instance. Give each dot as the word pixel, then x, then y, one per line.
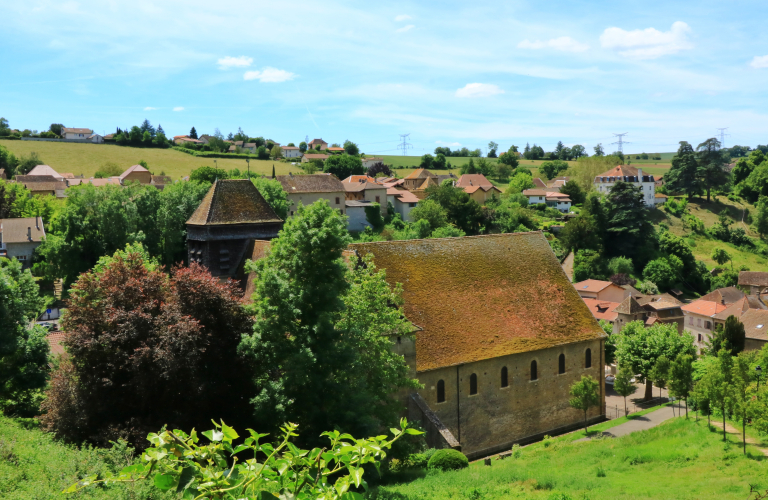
pixel 482 297
pixel 233 201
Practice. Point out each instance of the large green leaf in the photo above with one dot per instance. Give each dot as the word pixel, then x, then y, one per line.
pixel 164 481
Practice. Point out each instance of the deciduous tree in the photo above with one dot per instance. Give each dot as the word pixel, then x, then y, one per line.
pixel 344 165
pixel 681 378
pixel 585 394
pixel 623 385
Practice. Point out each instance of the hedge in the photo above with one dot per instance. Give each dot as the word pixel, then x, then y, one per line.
pixel 448 459
pixel 211 154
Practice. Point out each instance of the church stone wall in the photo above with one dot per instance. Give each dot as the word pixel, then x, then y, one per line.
pixel 495 418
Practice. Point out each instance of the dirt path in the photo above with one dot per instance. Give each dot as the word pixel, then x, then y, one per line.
pixel 729 429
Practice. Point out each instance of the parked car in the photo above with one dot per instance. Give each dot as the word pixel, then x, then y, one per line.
pixel 47 326
pixel 610 379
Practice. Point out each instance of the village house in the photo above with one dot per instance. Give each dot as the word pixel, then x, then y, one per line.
pixel 418 178
pixel 650 309
pixel 318 142
pixel 699 320
pixel 370 192
pixel 603 291
pixel 755 323
pixel 308 157
pixel 553 199
pixel 632 175
pixel 357 219
pixel 43 185
pixel 403 200
pixel 181 139
pixel 291 152
pixel 496 361
pixel 136 173
pixel 369 162
pixel 602 310
pixel 307 189
pixel 335 150
pixel 20 237
pixel 755 282
pixel 539 184
pixel 221 231
pixel 478 187
pixel 76 133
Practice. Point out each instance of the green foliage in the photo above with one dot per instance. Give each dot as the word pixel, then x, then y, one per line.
pixel 462 211
pixel 730 337
pixel 447 232
pixel 681 375
pixel 661 272
pixel 109 169
pixel 623 384
pixel 274 194
pixel 585 394
pixel 177 203
pixel 579 234
pixel 683 175
pixel 711 161
pixel 628 228
pixel 426 161
pixel 430 211
pixel 344 165
pixel 720 256
pixel 574 191
pixel 448 459
pixel 310 355
pixel 639 347
pixel 589 264
pixel 678 207
pixel 373 216
pixel 510 158
pixel 761 223
pixel 660 371
pixel 621 265
pixel 208 471
pixel 8 162
pixel 351 148
pixel 27 163
pixel 521 181
pixel 23 349
pixel 207 174
pixel 552 169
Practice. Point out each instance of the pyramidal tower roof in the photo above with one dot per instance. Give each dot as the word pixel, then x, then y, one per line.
pixel 233 201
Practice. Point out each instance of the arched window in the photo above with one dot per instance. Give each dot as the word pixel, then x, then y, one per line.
pixel 534 375
pixel 561 364
pixel 440 391
pixel 472 384
pixel 588 359
pixel 504 377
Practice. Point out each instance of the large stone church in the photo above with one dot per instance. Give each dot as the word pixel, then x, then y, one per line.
pixel 501 334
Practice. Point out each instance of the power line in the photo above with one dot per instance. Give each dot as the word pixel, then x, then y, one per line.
pixel 723 135
pixel 405 145
pixel 621 141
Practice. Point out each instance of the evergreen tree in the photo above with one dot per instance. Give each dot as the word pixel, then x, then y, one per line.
pixel 147 127
pixel 711 166
pixel 193 133
pixel 160 130
pixel 761 222
pixel 628 228
pixel 682 176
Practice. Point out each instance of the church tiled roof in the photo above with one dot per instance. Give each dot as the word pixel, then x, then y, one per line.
pixel 482 297
pixel 629 306
pixel 233 201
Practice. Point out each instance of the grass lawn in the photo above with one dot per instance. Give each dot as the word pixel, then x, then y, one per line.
pixel 86 159
pixel 679 459
pixel 708 212
pixel 35 466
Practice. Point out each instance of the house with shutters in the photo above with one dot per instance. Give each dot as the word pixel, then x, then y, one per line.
pixel 632 175
pixel 307 189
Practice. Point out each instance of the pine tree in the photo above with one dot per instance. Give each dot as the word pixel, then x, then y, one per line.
pixel 193 133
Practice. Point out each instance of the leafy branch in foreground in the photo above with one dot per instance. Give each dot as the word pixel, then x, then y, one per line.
pixel 214 471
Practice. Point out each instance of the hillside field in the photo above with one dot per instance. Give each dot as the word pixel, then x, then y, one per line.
pixel 679 459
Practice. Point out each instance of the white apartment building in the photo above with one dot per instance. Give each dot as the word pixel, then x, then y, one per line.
pixel 605 181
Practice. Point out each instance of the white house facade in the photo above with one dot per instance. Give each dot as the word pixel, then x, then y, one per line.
pixel 625 173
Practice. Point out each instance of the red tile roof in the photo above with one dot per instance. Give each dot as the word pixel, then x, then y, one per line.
pixel 601 309
pixel 591 285
pixel 54 342
pixel 468 180
pixel 499 295
pixel 704 308
pixel 421 173
pixel 359 178
pixel 134 168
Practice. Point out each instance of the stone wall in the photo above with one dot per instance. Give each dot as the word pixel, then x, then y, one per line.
pixel 497 417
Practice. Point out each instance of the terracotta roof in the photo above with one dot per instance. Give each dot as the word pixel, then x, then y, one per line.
pixel 40 186
pixel 626 173
pixel 54 342
pixel 358 179
pixel 629 306
pixel 284 148
pixel 134 168
pixel 22 230
pixel 314 183
pixel 534 192
pixel 316 142
pixel 735 309
pixel 429 182
pixel 644 300
pixel 421 173
pixel 404 196
pixel 601 309
pixel 539 183
pixel 755 324
pixel 233 201
pixel 751 278
pixel 661 195
pixel 704 307
pixel 651 320
pixel 362 186
pixel 45 170
pixel 728 295
pixel 499 295
pixel 335 149
pixel 64 130
pixel 467 180
pixel 659 305
pixel 472 189
pixel 592 285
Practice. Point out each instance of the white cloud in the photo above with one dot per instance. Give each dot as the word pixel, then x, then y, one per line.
pixel 235 62
pixel 564 43
pixel 149 108
pixel 403 17
pixel 759 62
pixel 478 90
pixel 178 108
pixel 649 43
pixel 405 28
pixel 449 144
pixel 269 75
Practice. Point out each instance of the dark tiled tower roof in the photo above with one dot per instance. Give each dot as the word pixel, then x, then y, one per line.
pixel 233 201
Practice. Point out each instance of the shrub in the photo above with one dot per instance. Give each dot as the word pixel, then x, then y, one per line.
pixel 448 459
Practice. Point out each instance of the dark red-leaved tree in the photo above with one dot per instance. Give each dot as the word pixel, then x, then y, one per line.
pixel 145 349
pixel 379 168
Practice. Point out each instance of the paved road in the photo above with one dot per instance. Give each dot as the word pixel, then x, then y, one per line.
pixel 641 423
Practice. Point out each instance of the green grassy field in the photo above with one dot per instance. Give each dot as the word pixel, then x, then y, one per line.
pixel 678 460
pixel 86 159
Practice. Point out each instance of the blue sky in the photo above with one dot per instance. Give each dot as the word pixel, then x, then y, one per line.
pixel 448 73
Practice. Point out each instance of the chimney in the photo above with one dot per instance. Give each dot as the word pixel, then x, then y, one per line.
pixel 37 223
pixel 722 301
pixel 29 233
